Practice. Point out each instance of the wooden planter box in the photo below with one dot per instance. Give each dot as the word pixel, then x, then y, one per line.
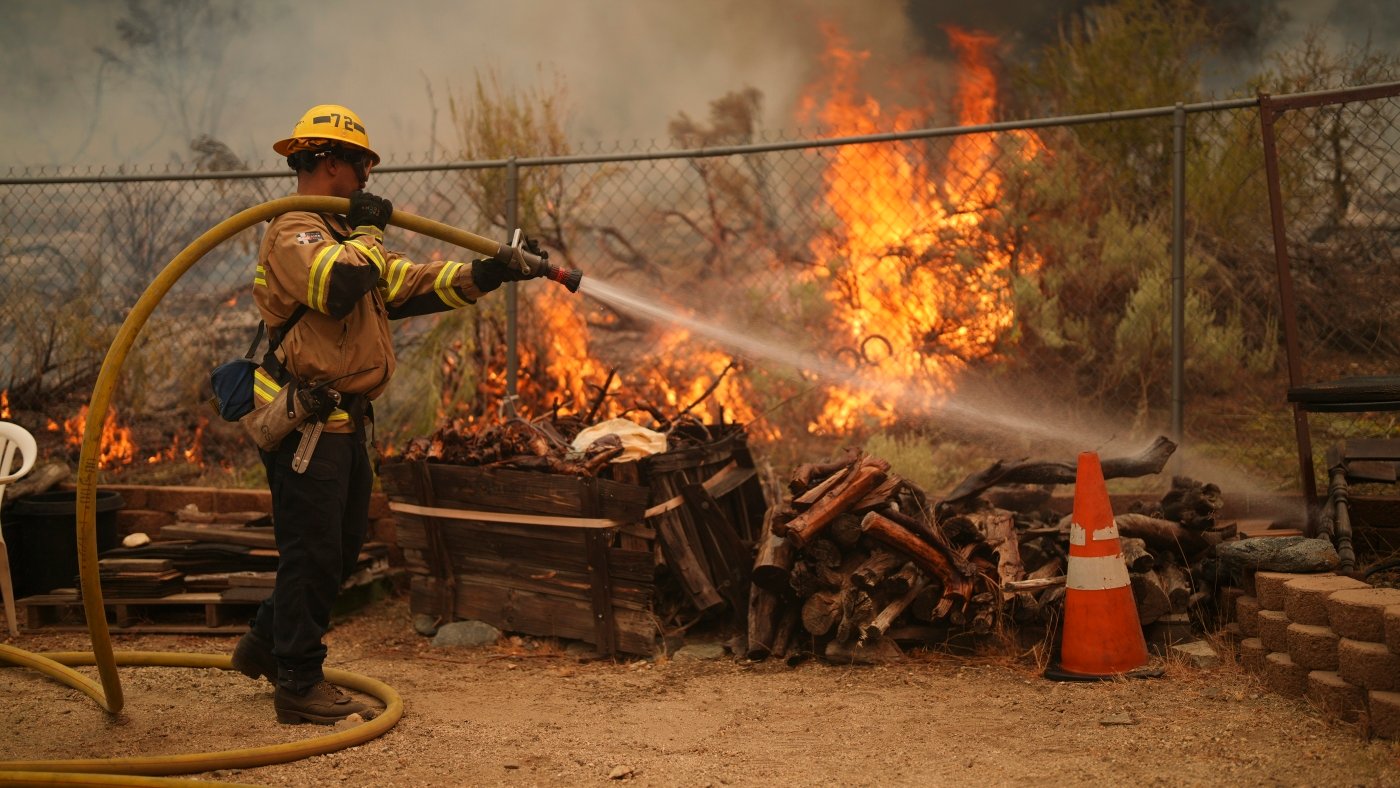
pixel 578 557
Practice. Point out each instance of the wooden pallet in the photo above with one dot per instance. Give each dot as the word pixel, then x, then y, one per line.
pixel 177 614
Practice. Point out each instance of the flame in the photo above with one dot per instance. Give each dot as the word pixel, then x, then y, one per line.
pixel 674 375
pixel 115 445
pixel 918 287
pixel 4 404
pixel 117 449
pixel 192 450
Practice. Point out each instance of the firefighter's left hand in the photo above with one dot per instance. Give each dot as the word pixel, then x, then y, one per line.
pixel 532 245
pixel 510 258
pixel 369 210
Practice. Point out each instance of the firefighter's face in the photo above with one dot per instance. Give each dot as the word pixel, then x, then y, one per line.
pixel 347 177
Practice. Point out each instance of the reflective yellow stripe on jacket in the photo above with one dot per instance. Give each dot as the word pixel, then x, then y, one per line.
pixel 265 390
pixel 318 283
pixel 443 286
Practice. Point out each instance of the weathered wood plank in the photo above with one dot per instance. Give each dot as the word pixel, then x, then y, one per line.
pixel 532 613
pixel 600 585
pixel 730 561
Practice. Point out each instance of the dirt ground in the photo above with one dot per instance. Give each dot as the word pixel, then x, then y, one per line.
pixel 528 713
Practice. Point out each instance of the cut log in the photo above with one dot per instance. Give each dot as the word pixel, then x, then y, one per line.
pixel 881 495
pixel 880 563
pixel 1135 554
pixel 787 625
pixel 935 536
pixel 1022 586
pixel 1031 593
pixel 1162 536
pixel 840 576
pixel 804 476
pixel 1150 461
pixel 1177 584
pixel 898 583
pixel 998 528
pixel 845 530
pixel 1149 596
pixel 773 566
pixel 763 624
pixel 804 580
pixel 806 526
pixel 857 610
pixel 930 560
pixel 805 500
pixel 820 612
pixel 882 622
pixel 925 604
pixel 824 552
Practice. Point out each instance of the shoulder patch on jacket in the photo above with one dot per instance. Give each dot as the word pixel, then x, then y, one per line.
pixel 310 237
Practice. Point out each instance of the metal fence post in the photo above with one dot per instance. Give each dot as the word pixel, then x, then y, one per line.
pixel 1178 271
pixel 1288 303
pixel 512 208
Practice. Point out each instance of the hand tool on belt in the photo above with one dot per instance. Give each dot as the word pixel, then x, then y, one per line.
pixel 319 401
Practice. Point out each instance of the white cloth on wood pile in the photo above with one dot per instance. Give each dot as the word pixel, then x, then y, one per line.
pixel 637 441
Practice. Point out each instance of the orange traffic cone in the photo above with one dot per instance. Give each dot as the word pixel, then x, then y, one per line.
pixel 1102 636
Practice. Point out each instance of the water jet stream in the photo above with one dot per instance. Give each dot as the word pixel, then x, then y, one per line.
pixel 750 347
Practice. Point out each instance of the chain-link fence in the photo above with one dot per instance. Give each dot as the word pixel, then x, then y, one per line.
pixel 1003 286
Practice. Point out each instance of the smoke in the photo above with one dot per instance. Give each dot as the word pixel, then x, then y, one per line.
pixel 76 93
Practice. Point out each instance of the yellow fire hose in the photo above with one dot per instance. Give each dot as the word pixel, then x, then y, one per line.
pixel 57 665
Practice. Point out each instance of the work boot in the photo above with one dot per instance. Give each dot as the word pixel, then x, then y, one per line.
pixel 323 704
pixel 253 657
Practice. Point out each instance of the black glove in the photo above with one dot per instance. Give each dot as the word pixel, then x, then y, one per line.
pixel 533 247
pixel 488 274
pixel 368 209
pixel 319 401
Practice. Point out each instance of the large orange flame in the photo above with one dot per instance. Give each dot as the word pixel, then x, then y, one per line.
pixel 918 288
pixel 674 374
pixel 115 447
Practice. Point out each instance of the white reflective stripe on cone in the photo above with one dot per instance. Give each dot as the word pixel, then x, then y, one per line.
pixel 1096 573
pixel 1076 533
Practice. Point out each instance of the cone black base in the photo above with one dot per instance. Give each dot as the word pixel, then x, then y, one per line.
pixel 1056 673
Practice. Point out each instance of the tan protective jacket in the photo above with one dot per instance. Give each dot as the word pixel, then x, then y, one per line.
pixel 352 289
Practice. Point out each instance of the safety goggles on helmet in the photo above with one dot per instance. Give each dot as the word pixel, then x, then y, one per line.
pixel 308 153
pixel 359 159
pixel 327 123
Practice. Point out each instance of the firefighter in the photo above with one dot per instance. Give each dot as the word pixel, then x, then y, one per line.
pixel 327 287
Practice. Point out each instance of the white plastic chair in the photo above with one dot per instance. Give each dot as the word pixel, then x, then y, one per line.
pixel 12 438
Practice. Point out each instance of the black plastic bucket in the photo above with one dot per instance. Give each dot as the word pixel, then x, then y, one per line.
pixel 42 538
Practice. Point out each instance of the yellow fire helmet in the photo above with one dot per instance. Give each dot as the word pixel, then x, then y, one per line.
pixel 326 123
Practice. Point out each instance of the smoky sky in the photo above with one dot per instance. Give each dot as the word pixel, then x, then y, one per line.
pixel 73 92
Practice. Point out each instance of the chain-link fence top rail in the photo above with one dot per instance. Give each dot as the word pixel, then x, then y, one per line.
pixel 1003 257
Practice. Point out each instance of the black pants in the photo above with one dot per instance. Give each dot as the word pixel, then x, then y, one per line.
pixel 319 518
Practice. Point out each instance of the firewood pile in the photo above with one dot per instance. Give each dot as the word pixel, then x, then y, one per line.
pixel 540 444
pixel 857 561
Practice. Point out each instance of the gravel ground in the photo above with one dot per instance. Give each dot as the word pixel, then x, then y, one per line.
pixel 528 713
